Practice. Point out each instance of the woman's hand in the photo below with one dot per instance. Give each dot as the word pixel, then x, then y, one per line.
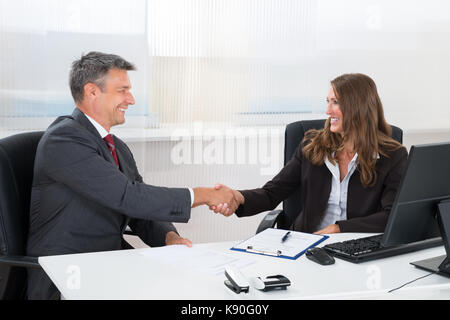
pixel 332 228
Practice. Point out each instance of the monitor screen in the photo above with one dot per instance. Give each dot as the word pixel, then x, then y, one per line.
pixel 425 183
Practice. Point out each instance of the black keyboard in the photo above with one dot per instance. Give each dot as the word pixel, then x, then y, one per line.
pixel 370 248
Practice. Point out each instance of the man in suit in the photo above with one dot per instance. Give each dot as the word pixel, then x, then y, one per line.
pixel 86 186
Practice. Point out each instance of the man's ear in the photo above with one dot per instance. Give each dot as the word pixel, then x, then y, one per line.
pixel 91 91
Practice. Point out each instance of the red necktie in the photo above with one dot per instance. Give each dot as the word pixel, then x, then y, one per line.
pixel 110 144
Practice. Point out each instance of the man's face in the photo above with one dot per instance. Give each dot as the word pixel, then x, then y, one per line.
pixel 114 99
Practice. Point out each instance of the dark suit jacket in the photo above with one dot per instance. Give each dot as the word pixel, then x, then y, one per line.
pixel 81 202
pixel 367 208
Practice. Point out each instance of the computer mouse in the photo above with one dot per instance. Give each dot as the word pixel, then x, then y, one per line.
pixel 320 256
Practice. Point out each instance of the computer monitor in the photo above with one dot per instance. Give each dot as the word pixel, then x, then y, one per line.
pixel 440 264
pixel 425 184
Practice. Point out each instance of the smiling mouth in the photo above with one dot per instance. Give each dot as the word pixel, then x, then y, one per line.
pixel 334 120
pixel 121 109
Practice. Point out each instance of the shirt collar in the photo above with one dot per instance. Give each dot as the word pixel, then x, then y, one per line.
pixel 375 155
pixel 101 131
pixel 353 159
pixel 334 168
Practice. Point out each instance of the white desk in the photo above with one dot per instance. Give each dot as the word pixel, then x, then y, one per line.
pixel 127 274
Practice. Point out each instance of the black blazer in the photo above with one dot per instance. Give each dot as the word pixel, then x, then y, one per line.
pixel 367 208
pixel 80 202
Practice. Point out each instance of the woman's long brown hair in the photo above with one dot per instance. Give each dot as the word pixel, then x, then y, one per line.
pixel 363 123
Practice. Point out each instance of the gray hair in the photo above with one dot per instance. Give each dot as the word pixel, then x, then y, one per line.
pixel 92 68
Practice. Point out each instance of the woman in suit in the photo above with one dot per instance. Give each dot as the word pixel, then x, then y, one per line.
pixel 348 172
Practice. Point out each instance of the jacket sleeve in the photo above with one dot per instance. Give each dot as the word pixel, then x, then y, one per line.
pixel 72 159
pixel 377 221
pixel 276 190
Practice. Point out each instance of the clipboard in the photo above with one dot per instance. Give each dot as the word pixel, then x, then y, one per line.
pixel 268 243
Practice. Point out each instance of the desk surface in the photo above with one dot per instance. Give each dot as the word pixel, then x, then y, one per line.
pixel 127 274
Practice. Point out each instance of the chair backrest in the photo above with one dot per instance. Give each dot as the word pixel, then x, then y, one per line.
pixel 293 136
pixel 17 154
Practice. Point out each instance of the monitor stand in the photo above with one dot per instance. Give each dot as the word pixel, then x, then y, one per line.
pixel 441 264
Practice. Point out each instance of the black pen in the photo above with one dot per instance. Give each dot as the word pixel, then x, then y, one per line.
pixel 286 236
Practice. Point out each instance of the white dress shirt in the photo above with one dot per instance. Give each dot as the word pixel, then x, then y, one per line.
pixel 337 202
pixel 103 133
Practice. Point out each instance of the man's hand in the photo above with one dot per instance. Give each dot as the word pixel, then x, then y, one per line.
pixel 224 208
pixel 332 228
pixel 173 238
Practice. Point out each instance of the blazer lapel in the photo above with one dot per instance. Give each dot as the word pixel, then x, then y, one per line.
pixel 122 161
pixel 124 168
pixel 81 119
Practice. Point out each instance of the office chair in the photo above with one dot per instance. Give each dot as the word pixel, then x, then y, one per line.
pixel 16 175
pixel 293 135
pixel 17 155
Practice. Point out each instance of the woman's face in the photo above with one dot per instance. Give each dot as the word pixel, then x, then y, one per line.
pixel 334 112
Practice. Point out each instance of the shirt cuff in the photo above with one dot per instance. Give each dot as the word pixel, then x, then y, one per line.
pixel 191 191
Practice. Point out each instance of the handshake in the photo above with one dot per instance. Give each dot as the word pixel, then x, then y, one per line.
pixel 220 199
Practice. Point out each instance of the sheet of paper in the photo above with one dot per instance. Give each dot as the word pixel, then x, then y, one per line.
pixel 269 240
pixel 197 259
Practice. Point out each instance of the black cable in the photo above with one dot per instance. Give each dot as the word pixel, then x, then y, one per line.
pixel 412 281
